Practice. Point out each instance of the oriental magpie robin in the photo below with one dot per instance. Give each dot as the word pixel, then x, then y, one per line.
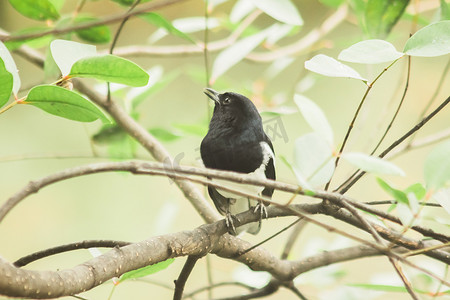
pixel 237 142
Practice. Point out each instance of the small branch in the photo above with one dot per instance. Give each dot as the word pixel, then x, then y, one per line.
pixel 292 238
pixel 296 48
pixel 425 141
pixel 271 287
pixel 105 21
pixel 21 262
pixel 344 189
pixel 404 279
pixel 184 275
pixel 270 237
pixel 352 123
pixel 384 202
pixel 213 286
pixel 398 107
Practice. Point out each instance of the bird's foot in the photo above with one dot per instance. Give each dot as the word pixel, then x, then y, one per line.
pixel 229 221
pixel 263 210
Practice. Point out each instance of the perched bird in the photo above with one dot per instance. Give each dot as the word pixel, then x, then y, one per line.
pixel 236 141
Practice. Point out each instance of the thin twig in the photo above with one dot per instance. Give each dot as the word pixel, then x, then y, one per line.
pixel 344 189
pixel 21 262
pixel 352 123
pixel 270 237
pixel 216 285
pixel 292 238
pixel 184 275
pixel 350 178
pixel 104 21
pixel 384 202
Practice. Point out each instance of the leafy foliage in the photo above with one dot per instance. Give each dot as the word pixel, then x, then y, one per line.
pixel 110 68
pixel 6 84
pixel 63 103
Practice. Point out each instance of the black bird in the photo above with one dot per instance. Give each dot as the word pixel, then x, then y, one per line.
pixel 236 141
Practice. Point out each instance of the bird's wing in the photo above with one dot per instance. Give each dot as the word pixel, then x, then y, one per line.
pixel 270 168
pixel 222 203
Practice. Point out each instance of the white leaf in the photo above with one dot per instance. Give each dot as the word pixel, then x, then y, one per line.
pixel 313 160
pixel 241 9
pixel 372 164
pixel 252 278
pixel 277 32
pixel 281 10
pixel 10 66
pixel 370 52
pixel 157 72
pixel 443 198
pixel 315 117
pixel 66 53
pixel 437 166
pixel 328 66
pixel 277 67
pixel 186 25
pixel 235 53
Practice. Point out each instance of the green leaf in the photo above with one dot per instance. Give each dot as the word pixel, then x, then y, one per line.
pixel 370 52
pixel 6 84
pixel 10 65
pixel 328 66
pixel 63 103
pixel 96 34
pixel 142 272
pixel 34 43
pixel 437 166
pixel 66 53
pixel 58 4
pixel 160 21
pixel 235 53
pixel 313 161
pixel 36 9
pixel 417 189
pixel 372 164
pixel 445 10
pixel 397 194
pixel 315 117
pixel 382 15
pixel 432 40
pixel 110 68
pixel 281 10
pixel 443 198
pixel 332 3
pixel 163 134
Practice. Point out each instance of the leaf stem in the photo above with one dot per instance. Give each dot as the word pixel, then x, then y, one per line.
pixel 352 123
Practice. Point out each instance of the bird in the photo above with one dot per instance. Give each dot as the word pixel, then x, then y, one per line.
pixel 236 141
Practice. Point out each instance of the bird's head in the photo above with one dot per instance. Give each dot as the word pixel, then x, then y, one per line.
pixel 232 108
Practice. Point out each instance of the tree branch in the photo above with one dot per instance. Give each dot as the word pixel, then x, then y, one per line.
pixel 21 262
pixel 104 21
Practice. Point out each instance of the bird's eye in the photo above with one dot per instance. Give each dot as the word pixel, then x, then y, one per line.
pixel 227 100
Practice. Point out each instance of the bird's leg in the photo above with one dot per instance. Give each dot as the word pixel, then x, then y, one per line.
pixel 229 220
pixel 263 210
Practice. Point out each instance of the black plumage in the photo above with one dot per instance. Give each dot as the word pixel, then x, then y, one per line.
pixel 236 141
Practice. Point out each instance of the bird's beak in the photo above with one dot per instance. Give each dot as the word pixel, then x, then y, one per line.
pixel 212 94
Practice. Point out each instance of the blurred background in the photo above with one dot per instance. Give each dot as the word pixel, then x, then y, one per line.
pixel 121 206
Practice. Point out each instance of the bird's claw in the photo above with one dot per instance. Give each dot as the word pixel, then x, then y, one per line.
pixel 263 210
pixel 230 223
